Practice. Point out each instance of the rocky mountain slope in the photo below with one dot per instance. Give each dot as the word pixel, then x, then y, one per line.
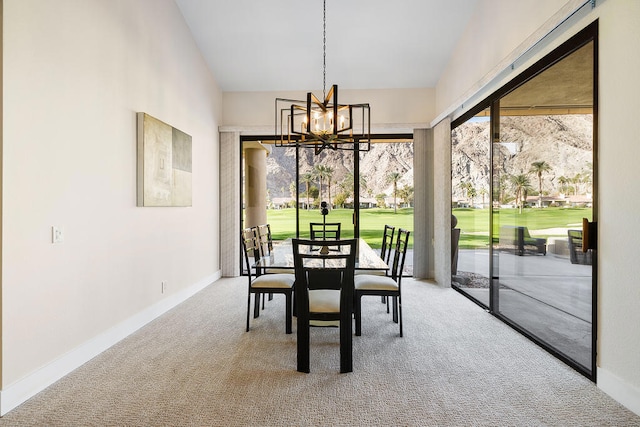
pixel 375 167
pixel 563 141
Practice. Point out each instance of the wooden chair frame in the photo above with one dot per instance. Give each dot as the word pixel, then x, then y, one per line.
pixel 260 284
pixel 387 286
pixel 333 273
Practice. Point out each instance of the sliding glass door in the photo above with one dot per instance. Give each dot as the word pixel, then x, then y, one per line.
pixel 543 155
pixel 524 254
pixel 470 210
pixel 320 193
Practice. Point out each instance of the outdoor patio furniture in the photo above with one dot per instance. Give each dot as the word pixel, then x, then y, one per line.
pixel 576 255
pixel 518 239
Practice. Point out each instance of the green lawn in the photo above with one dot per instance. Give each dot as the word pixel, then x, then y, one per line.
pixel 474 223
pixel 372 222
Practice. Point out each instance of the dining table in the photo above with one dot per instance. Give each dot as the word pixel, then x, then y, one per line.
pixel 281 258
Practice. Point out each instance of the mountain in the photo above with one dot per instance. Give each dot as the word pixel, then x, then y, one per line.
pixel 375 165
pixel 564 142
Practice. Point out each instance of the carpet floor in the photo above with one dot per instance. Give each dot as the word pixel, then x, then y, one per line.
pixel 196 366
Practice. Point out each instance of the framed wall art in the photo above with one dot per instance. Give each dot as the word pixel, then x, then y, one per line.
pixel 164 164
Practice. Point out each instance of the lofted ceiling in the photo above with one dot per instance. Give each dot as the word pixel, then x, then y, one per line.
pixel 277 45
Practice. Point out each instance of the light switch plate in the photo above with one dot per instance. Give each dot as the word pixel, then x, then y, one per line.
pixel 57 235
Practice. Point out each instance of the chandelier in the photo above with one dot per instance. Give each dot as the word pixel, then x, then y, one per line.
pixel 323 124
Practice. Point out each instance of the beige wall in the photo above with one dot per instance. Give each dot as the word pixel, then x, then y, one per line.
pixel 619 21
pixel 75 74
pixel 503 29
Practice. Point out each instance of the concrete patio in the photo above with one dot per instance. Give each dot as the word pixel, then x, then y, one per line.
pixel 546 295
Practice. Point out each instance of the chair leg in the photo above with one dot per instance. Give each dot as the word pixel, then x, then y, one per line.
pixel 400 312
pixel 387 298
pixel 303 344
pixel 357 313
pixel 295 307
pixel 248 310
pixel 256 305
pixel 288 313
pixel 346 344
pixel 395 309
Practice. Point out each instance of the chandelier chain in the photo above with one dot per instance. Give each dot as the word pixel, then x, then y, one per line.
pixel 324 49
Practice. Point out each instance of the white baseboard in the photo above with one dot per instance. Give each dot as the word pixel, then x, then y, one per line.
pixel 34 383
pixel 623 392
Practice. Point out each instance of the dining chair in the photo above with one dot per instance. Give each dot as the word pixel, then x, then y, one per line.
pixel 387 242
pixel 260 284
pixel 266 247
pixel 324 231
pixel 264 239
pixel 324 292
pixel 385 253
pixel 387 286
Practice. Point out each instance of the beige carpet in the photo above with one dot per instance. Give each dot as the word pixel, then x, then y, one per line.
pixel 195 366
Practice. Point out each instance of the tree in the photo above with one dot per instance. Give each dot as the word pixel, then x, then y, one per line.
pixel 348 183
pixel 483 192
pixel 292 189
pixel 320 171
pixel 328 174
pixel 406 194
pixel 563 181
pixel 521 185
pixel 393 178
pixel 315 194
pixel 307 178
pixel 380 200
pixel 340 199
pixel 538 168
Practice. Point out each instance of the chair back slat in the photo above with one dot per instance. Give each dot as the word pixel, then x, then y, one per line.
pixel 387 242
pixel 250 247
pixel 324 231
pixel 315 269
pixel 264 239
pixel 400 254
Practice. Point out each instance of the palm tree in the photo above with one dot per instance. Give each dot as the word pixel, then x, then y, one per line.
pixel 362 182
pixel 577 180
pixel 307 178
pixel 292 191
pixel 483 192
pixel 328 173
pixel 406 194
pixel 521 185
pixel 563 181
pixel 320 173
pixel 393 178
pixel 538 168
pixel 463 187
